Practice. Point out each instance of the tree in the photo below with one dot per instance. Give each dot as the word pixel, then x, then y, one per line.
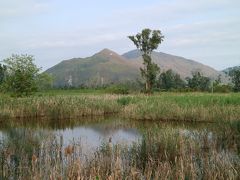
pixel 235 75
pixel 198 82
pixel 21 75
pixel 44 81
pixel 3 69
pixel 146 42
pixel 170 80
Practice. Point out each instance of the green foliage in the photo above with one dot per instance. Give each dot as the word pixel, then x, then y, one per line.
pixel 117 89
pixel 169 80
pixel 124 101
pixel 235 75
pixel 146 42
pixel 21 75
pixel 44 81
pixel 3 70
pixel 198 82
pixel 222 88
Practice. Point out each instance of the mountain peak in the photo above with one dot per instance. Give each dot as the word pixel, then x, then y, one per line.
pixel 106 52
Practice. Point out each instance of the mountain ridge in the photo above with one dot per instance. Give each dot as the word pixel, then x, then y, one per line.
pixel 107 67
pixel 179 64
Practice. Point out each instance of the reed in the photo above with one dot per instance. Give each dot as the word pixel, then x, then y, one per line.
pixel 57 107
pixel 183 107
pixel 165 153
pixel 166 106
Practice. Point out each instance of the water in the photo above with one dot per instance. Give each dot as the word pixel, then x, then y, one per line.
pixel 93 136
pixel 89 133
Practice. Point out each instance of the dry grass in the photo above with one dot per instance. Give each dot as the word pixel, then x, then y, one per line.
pixel 161 154
pixel 166 106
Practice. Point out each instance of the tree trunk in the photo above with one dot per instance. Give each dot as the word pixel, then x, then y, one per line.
pixel 148 87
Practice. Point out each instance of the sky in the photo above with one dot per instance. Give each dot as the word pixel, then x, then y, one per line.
pixel 207 31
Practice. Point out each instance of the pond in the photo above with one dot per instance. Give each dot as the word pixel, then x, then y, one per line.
pixel 90 133
pixel 52 138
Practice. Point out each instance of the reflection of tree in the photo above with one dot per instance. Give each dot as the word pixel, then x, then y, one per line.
pixel 18 146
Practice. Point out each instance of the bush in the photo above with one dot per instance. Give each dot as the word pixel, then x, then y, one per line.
pixel 124 101
pixel 223 88
pixel 117 89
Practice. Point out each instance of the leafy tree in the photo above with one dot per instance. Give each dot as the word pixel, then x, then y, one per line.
pixel 198 82
pixel 146 42
pixel 21 76
pixel 3 69
pixel 216 83
pixel 235 75
pixel 44 81
pixel 170 80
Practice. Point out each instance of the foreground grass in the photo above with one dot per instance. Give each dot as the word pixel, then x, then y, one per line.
pixel 166 153
pixel 184 107
pixel 165 106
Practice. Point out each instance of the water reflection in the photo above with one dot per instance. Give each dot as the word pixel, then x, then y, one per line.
pixel 90 133
pixel 92 138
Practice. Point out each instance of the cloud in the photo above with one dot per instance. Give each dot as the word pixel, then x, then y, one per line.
pixel 191 28
pixel 19 8
pixel 72 39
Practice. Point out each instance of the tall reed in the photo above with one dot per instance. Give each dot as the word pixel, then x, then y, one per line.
pixel 164 153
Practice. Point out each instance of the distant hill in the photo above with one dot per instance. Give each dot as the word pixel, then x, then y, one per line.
pixel 102 68
pixel 231 69
pixel 106 67
pixel 180 65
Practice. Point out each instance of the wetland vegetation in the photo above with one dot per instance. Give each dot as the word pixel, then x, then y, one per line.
pixel 204 107
pixel 69 135
pixel 115 148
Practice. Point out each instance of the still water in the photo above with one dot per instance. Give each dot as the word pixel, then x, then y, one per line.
pixel 89 133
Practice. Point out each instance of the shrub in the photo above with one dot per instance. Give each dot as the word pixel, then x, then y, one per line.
pixel 117 89
pixel 223 88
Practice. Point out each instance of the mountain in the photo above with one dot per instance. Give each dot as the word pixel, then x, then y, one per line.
pixel 226 71
pixel 180 65
pixel 106 67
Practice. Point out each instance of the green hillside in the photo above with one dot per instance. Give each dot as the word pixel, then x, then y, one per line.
pixel 102 68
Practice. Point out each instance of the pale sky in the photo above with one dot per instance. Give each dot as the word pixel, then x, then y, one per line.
pixel 54 30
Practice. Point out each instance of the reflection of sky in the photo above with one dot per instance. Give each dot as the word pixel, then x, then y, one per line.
pixel 1 135
pixel 91 136
pixel 91 139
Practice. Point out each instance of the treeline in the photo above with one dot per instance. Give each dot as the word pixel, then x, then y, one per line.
pixel 171 82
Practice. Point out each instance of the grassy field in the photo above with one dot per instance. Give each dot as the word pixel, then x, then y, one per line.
pixel 62 104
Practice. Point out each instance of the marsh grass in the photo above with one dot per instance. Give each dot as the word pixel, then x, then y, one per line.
pixel 184 107
pixel 162 153
pixel 57 107
pixel 161 107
